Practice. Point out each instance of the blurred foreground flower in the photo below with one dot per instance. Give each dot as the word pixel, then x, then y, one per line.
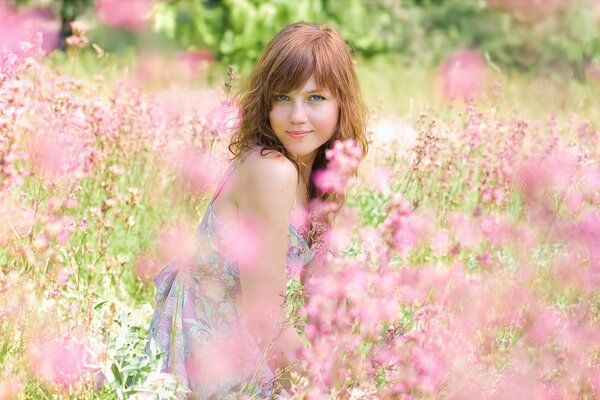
pixel 175 243
pixel 58 359
pixel 133 15
pixel 146 268
pixel 10 388
pixel 224 118
pixel 22 25
pixel 463 75
pixel 343 159
pixel 238 240
pixel 196 168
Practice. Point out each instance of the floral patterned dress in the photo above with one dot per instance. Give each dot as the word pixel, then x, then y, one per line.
pixel 198 321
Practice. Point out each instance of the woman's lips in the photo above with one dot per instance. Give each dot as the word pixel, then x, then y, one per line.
pixel 298 134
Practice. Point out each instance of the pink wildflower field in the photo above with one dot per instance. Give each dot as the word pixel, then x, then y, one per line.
pixel 467 256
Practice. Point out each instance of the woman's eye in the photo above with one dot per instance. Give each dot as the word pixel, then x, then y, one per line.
pixel 282 97
pixel 316 97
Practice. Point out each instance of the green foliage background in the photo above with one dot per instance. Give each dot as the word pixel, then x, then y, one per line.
pixel 421 31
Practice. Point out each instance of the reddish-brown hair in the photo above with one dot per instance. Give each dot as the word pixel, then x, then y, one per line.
pixel 293 55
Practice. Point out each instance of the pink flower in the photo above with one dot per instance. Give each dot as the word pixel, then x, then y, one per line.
pixel 343 159
pixel 238 240
pixel 337 239
pixel 48 155
pixel 79 28
pixel 495 229
pixel 463 75
pixel 430 370
pixel 295 266
pixel 57 359
pixel 545 325
pixel 70 202
pixel 62 277
pixel 76 42
pixel 146 268
pixel 587 231
pixel 370 239
pixel 176 243
pixel 405 234
pixel 329 181
pixel 590 181
pixel 466 232
pixel 195 167
pixel 554 172
pixel 10 388
pixel 595 380
pixel 299 218
pixel 440 242
pixel 224 118
pixel 132 15
pixel 17 26
pixel 380 179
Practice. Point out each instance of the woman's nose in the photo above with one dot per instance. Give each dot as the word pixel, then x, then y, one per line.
pixel 298 115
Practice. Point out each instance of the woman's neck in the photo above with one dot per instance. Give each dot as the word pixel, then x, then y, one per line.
pixel 305 164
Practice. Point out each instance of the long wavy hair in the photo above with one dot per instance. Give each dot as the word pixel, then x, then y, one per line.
pixel 296 53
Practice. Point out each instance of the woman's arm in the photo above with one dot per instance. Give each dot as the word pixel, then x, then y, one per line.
pixel 266 193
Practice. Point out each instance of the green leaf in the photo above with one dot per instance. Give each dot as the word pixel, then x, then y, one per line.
pixel 115 370
pixel 99 305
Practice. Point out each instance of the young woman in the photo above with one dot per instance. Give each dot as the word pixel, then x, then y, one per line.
pixel 221 325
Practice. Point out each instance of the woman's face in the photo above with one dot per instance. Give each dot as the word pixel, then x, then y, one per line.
pixel 305 119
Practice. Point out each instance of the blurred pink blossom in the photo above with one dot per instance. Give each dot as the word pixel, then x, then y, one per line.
pixel 224 118
pixel 146 268
pixel 380 179
pixel 22 25
pixel 195 167
pixel 556 172
pixel 587 231
pixel 430 368
pixel 70 202
pixel 590 181
pixel 440 241
pixel 10 388
pixel 465 230
pixel 239 240
pixel 495 229
pixel 133 15
pixel 176 243
pixel 222 357
pixel 62 276
pixel 194 59
pixel 574 201
pixel 546 323
pixel 299 218
pixel 370 239
pixel 57 359
pixel 328 181
pixel 343 159
pixel 48 155
pixel 18 218
pixel 337 239
pixel 463 75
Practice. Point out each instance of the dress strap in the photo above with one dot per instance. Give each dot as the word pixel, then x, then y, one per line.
pixel 228 172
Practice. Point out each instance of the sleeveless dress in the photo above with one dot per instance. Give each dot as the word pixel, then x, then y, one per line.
pixel 198 322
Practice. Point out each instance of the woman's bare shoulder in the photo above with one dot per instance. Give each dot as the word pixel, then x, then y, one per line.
pixel 269 166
